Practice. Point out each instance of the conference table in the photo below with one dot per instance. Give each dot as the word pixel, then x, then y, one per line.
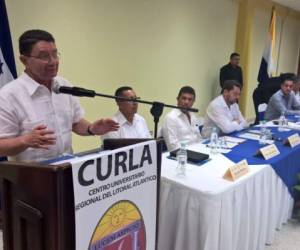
pixel 203 211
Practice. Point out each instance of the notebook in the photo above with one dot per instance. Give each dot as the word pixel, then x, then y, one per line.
pixel 192 156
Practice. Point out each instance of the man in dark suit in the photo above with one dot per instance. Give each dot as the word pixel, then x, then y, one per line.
pixel 232 70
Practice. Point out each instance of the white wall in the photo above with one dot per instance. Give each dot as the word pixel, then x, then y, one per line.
pixel 290 44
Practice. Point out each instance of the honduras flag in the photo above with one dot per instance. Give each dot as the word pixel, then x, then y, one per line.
pixel 267 65
pixel 7 61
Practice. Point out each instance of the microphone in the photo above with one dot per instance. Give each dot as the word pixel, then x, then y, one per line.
pixel 76 91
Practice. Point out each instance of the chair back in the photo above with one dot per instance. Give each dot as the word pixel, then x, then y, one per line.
pixel 261 111
pixel 200 123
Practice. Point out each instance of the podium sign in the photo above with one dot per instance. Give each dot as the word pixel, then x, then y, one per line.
pixel 115 195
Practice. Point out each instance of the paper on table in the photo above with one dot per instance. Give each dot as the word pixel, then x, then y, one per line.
pixel 223 150
pixel 255 137
pixel 228 144
pixel 232 139
pixel 293 125
pixel 249 136
pixel 254 131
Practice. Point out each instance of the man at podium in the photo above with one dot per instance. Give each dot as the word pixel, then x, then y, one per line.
pixel 35 123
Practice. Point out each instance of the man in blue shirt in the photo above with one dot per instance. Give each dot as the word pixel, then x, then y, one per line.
pixel 283 101
pixel 296 87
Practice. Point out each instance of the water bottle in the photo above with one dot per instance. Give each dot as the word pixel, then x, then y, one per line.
pixel 281 122
pixel 214 141
pixel 223 143
pixel 263 135
pixel 286 124
pixel 181 159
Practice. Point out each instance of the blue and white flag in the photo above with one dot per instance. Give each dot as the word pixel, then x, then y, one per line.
pixel 267 66
pixel 7 60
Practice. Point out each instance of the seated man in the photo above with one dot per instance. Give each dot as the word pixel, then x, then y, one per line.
pixel 181 125
pixel 131 124
pixel 283 101
pixel 223 112
pixel 296 87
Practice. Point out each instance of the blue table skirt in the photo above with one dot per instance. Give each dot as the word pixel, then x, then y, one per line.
pixel 286 165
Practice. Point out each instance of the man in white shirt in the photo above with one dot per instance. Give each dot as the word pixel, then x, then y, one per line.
pixel 36 123
pixel 132 125
pixel 223 112
pixel 284 101
pixel 296 88
pixel 181 125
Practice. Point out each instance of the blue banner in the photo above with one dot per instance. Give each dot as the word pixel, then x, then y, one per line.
pixel 7 62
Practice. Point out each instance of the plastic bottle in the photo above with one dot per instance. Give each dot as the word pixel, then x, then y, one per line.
pixel 281 122
pixel 214 141
pixel 286 124
pixel 181 159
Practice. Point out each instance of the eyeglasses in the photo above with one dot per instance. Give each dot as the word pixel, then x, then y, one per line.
pixel 46 57
pixel 132 99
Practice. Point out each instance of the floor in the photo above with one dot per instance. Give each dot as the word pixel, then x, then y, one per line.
pixel 288 238
pixel 1 242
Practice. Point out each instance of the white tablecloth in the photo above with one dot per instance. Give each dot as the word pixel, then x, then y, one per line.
pixel 202 211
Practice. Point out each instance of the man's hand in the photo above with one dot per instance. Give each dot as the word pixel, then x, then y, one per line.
pixel 103 126
pixel 237 120
pixel 40 137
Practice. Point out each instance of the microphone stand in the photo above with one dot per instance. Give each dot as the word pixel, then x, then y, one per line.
pixel 156 109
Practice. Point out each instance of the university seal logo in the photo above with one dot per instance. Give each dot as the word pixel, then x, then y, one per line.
pixel 120 228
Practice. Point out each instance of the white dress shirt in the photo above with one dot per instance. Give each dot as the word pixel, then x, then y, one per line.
pixel 280 103
pixel 137 129
pixel 24 104
pixel 177 127
pixel 219 115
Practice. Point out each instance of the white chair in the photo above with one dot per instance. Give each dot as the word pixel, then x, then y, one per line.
pixel 261 111
pixel 200 122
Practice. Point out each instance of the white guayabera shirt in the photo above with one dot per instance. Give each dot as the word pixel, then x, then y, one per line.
pixel 177 127
pixel 24 104
pixel 137 129
pixel 218 114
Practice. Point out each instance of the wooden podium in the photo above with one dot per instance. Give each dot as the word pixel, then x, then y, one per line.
pixel 38 203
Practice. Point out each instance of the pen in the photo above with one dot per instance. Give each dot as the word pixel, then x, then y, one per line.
pixel 235 142
pixel 208 146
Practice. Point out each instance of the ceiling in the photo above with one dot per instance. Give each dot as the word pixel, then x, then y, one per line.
pixel 293 4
